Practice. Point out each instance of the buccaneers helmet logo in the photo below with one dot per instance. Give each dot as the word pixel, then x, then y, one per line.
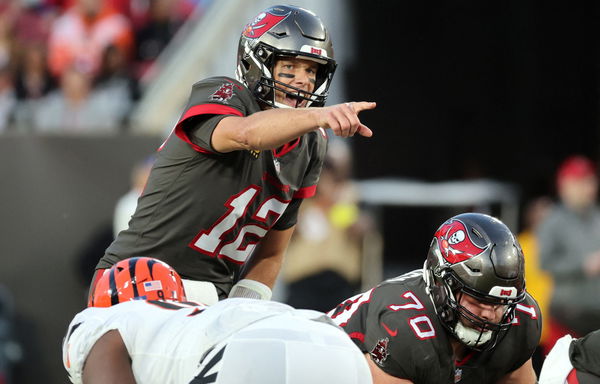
pixel 455 242
pixel 262 23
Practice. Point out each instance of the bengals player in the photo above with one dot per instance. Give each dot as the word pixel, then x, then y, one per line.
pixel 141 329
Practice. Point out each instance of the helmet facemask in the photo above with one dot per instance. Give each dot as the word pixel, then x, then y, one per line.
pixel 472 330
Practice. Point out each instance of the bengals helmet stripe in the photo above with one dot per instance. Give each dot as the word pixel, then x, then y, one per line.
pixel 114 298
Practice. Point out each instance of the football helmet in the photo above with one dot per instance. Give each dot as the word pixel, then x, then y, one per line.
pixel 137 278
pixel 477 255
pixel 284 31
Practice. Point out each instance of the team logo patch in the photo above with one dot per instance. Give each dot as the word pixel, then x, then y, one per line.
pixel 455 242
pixel 380 352
pixel 457 375
pixel 262 23
pixel 224 93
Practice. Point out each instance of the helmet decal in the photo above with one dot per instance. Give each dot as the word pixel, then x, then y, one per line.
pixel 455 242
pixel 262 23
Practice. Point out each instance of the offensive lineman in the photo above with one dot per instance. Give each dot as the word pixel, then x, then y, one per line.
pixel 141 330
pixel 464 318
pixel 222 199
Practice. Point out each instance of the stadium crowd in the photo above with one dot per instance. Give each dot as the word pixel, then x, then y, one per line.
pixel 76 65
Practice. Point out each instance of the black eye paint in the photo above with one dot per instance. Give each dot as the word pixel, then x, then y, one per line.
pixel 312 81
pixel 286 75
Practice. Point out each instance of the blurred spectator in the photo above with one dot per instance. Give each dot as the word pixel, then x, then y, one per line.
pixel 127 203
pixel 539 282
pixel 32 77
pixel 79 36
pixel 323 261
pixel 32 20
pixel 114 84
pixel 6 40
pixel 74 108
pixel 569 241
pixel 8 99
pixel 164 19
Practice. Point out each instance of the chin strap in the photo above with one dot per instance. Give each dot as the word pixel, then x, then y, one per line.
pixel 471 337
pixel 251 289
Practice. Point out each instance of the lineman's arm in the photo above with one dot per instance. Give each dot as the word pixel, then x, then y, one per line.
pixel 272 128
pixel 381 377
pixel 523 375
pixel 108 361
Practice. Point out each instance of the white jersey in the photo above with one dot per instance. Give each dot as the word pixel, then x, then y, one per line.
pixel 169 342
pixel 557 364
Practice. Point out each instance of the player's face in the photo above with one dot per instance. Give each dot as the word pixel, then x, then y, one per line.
pixel 298 73
pixel 487 311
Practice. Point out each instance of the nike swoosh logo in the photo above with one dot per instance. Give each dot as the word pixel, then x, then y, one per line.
pixel 392 333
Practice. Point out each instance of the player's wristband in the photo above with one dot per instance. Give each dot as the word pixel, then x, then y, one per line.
pixel 251 289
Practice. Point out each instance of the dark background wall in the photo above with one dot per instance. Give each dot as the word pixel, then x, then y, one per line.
pixel 476 88
pixel 503 90
pixel 57 197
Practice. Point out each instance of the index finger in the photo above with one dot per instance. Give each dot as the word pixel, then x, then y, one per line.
pixel 363 105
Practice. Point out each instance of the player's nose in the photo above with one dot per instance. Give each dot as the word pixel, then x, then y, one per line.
pixel 301 79
pixel 487 311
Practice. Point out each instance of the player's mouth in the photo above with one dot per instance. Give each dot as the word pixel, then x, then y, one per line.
pixel 294 101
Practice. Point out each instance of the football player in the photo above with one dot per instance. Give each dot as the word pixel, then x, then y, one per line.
pixel 225 188
pixel 573 361
pixel 140 329
pixel 464 318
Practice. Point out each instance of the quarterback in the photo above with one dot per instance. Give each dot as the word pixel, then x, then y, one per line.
pixel 141 330
pixel 222 198
pixel 464 318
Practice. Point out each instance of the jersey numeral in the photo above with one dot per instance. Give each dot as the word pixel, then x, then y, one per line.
pixel 212 242
pixel 343 312
pixel 422 327
pixel 528 309
pixel 416 303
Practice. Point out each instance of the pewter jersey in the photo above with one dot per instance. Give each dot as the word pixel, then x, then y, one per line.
pixel 396 324
pixel 203 212
pixel 167 341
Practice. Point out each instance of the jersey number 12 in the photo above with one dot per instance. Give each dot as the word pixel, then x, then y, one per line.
pixel 212 243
